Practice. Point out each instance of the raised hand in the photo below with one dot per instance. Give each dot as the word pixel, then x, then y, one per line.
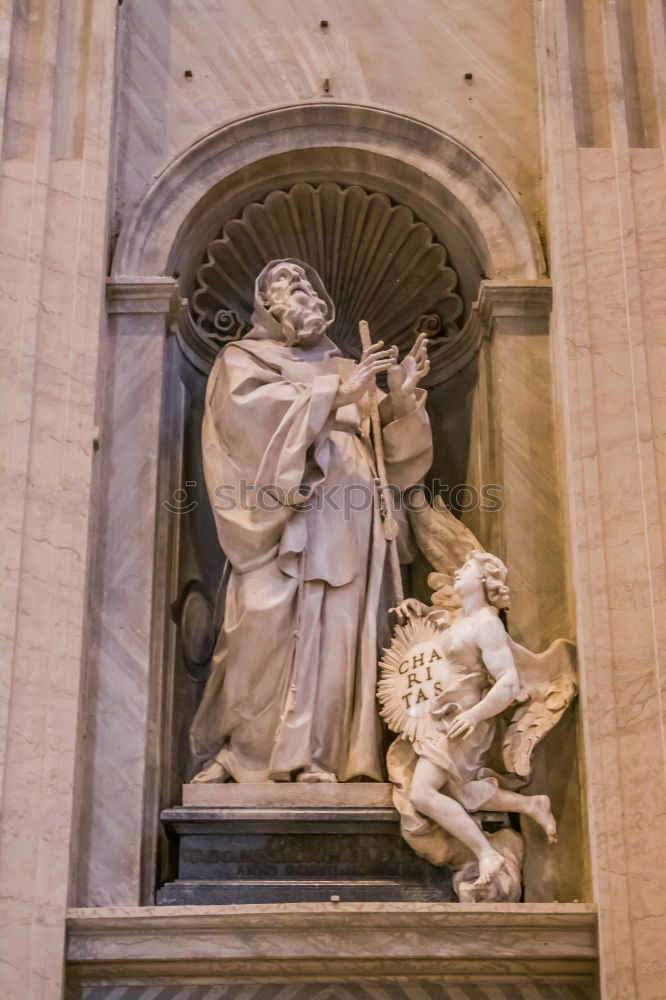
pixel 403 378
pixel 375 359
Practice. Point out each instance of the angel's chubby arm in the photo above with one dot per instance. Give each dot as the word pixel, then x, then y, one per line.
pixel 498 659
pixel 497 656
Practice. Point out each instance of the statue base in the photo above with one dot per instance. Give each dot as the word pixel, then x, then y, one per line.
pixel 284 843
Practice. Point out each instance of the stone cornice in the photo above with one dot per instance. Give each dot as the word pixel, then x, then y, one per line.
pixel 499 299
pixel 135 294
pixel 514 298
pixel 303 941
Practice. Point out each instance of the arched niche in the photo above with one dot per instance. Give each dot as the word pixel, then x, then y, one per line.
pixel 490 244
pixel 413 162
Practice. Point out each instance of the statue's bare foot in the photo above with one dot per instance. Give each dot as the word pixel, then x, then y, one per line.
pixel 490 864
pixel 310 777
pixel 540 812
pixel 212 773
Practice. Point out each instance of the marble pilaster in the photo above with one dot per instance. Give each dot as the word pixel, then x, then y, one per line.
pixel 607 211
pixel 121 738
pixel 53 199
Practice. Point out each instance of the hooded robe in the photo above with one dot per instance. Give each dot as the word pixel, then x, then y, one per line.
pixel 294 671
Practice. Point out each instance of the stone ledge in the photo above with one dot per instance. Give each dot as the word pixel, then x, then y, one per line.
pixel 274 794
pixel 138 294
pixel 514 298
pixel 308 941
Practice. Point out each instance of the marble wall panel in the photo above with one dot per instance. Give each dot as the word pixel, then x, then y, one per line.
pixel 52 251
pixel 608 335
pixel 254 56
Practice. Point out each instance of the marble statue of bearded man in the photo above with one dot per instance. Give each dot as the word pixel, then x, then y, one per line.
pixel 290 473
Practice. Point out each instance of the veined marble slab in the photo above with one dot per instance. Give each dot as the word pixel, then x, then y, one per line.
pixel 333 942
pixel 282 794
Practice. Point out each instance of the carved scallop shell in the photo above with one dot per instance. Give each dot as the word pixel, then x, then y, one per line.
pixel 377 261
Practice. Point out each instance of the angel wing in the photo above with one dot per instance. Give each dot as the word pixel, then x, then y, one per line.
pixel 445 542
pixel 548 679
pixel 548 686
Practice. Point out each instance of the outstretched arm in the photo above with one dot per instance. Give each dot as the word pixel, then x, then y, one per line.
pixel 496 653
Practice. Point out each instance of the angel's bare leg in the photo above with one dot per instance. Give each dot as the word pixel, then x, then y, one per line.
pixel 452 817
pixel 535 806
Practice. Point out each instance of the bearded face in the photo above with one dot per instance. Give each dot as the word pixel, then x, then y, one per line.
pixel 292 301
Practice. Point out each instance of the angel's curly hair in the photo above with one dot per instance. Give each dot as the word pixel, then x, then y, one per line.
pixel 493 574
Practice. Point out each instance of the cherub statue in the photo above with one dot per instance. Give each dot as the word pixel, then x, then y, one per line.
pixel 448 677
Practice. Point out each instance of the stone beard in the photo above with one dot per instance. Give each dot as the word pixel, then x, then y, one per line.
pixel 291 692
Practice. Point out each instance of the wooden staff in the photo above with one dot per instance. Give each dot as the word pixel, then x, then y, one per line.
pixel 389 523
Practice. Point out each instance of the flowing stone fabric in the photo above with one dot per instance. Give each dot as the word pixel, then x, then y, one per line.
pixel 292 684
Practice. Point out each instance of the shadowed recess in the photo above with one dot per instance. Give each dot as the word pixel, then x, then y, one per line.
pixel 377 260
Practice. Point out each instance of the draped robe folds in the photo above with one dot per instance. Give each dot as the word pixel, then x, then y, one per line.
pixel 293 676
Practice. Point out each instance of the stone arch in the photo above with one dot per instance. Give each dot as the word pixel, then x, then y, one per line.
pixel 496 254
pixel 440 179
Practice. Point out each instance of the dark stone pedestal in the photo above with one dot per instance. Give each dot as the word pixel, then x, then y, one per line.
pixel 296 854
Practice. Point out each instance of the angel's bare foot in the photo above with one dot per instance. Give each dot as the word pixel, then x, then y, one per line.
pixel 539 810
pixel 490 864
pixel 212 773
pixel 312 777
